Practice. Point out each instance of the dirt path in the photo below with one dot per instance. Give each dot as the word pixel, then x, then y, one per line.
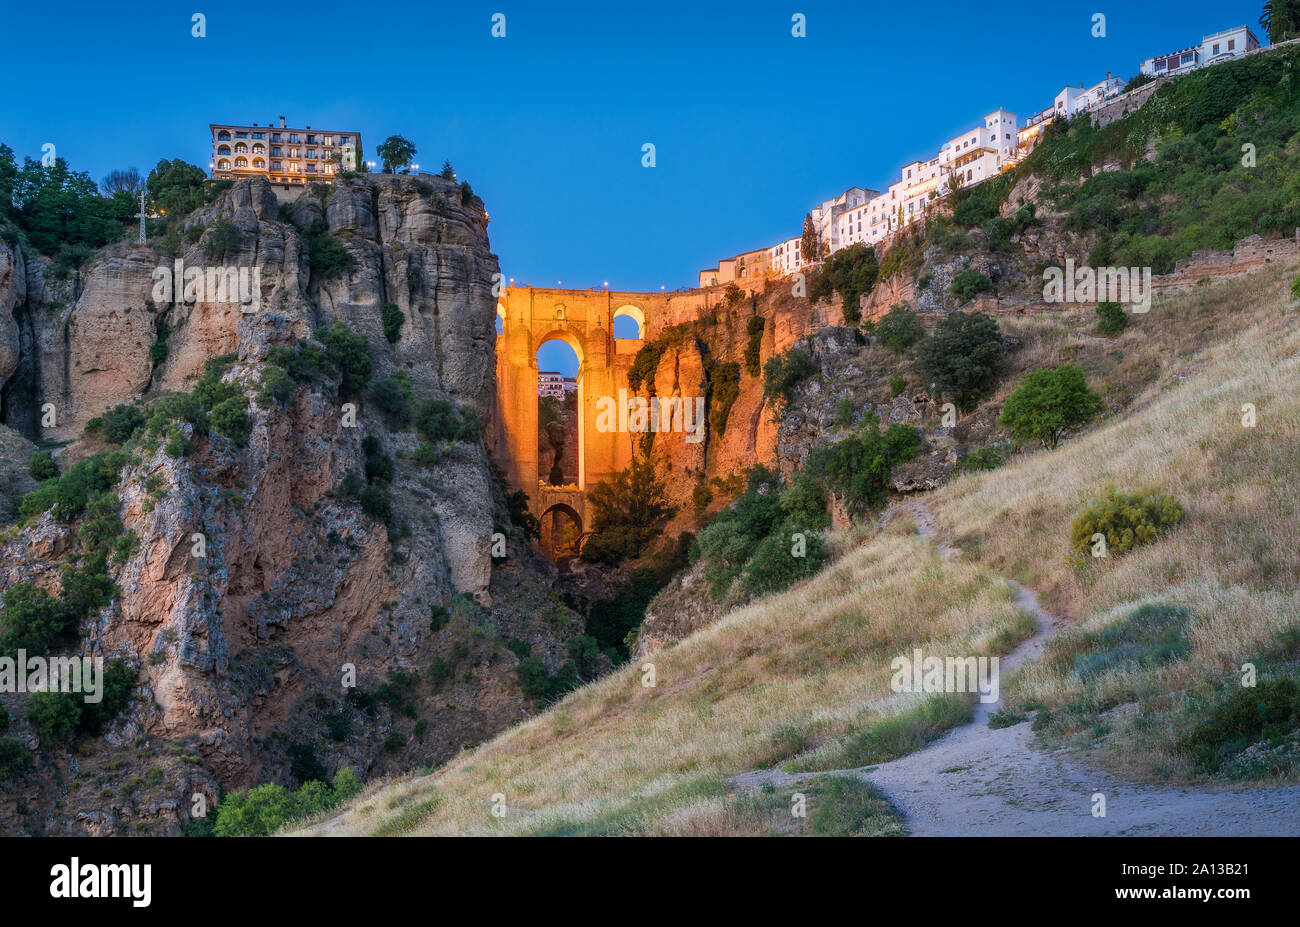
pixel 975 781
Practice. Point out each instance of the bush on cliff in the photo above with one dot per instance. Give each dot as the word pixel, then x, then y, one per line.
pixel 629 509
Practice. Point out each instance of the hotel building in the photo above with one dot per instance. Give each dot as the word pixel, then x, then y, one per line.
pixel 281 154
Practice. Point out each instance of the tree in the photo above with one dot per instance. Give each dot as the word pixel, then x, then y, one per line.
pixel 810 245
pixel 899 329
pixel 963 356
pixel 447 173
pixel 175 187
pixel 119 181
pixel 851 272
pixel 1280 19
pixel 1048 403
pixel 629 509
pixel 61 209
pixel 395 152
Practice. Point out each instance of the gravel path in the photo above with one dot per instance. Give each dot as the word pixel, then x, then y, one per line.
pixel 975 781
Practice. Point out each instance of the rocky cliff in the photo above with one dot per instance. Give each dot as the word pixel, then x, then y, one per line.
pixel 257 586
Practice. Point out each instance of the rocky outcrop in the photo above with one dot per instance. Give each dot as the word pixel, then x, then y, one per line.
pixel 258 591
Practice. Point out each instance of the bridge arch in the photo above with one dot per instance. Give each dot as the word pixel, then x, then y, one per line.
pixel 583 319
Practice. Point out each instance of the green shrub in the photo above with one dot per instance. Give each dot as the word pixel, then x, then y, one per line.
pixel 858 468
pixel 1295 288
pixel 265 809
pixel 443 420
pixel 1111 319
pixel 521 516
pixel 783 372
pixel 275 386
pixel 963 356
pixel 393 320
pixel 69 494
pixel 983 458
pixel 327 256
pixel 1125 519
pixel 304 765
pixel 337 726
pixel 118 685
pixel 350 353
pixel 54 715
pixel 440 671
pixel 1149 636
pixel 32 620
pixel 1048 403
pixel 118 424
pixel 222 240
pixel 845 412
pixel 230 418
pixel 724 391
pixel 897 383
pixel 851 272
pixel 15 762
pixel 394 399
pixel 781 559
pixel 629 508
pixel 42 467
pixel 1267 713
pixel 899 329
pixel 968 284
pixel 753 345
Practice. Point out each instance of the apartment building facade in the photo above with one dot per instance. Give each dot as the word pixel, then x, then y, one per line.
pixel 283 155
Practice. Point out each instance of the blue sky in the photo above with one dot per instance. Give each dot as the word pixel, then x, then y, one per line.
pixel 751 126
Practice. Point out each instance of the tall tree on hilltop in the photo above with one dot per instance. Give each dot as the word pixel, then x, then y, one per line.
pixel 395 152
pixel 1280 20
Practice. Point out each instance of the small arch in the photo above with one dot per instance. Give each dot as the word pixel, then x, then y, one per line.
pixel 223 135
pixel 241 162
pixel 241 148
pixel 259 163
pixel 561 533
pixel 223 165
pixel 621 328
pixel 223 149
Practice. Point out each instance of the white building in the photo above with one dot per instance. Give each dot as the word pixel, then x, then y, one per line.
pixel 1216 47
pixel 785 258
pixel 551 383
pixel 826 216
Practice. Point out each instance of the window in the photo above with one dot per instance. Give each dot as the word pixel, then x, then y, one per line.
pixel 223 150
pixel 1186 58
pixel 259 164
pixel 311 140
pixel 1214 50
pixel 311 152
pixel 259 135
pixel 311 168
pixel 241 147
pixel 275 136
pixel 293 138
pixel 275 151
pixel 241 162
pixel 1232 44
pixel 259 149
pixel 327 140
pixel 223 165
pixel 275 165
pixel 223 135
pixel 241 135
pixel 293 152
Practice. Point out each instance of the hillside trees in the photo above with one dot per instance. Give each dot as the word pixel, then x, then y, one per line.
pixel 1050 402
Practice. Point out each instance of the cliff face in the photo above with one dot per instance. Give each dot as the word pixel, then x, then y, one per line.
pixel 240 645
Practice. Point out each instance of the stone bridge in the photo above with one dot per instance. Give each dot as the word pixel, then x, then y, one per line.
pixel 584 320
